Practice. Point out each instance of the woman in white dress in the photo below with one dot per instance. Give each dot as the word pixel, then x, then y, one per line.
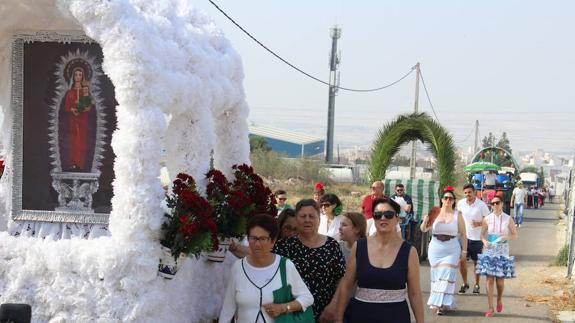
pixel 330 220
pixel 495 263
pixel 249 296
pixel 445 252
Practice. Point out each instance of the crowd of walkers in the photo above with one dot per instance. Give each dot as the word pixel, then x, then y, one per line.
pixel 342 266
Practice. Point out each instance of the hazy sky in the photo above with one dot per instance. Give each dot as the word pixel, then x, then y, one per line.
pixel 508 64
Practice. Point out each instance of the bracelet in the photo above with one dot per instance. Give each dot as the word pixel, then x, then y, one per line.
pixel 463 251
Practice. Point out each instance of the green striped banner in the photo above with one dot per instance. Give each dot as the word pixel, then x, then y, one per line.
pixel 424 193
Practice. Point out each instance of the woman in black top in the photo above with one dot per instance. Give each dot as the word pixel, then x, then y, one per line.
pixel 317 258
pixel 386 270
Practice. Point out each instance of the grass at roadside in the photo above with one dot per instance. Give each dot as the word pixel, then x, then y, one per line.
pixel 562 257
pixel 349 194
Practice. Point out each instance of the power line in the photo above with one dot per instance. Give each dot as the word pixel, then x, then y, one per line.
pixel 427 94
pixel 464 140
pixel 302 71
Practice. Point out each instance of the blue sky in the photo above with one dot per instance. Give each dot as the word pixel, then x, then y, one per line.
pixel 509 64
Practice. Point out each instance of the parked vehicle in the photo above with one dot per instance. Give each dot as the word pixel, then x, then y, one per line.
pixel 530 179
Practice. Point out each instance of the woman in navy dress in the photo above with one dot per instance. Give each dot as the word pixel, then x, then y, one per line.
pixel 386 270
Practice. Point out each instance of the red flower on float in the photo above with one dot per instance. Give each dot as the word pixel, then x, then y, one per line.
pixel 189 227
pixel 195 223
pixel 243 197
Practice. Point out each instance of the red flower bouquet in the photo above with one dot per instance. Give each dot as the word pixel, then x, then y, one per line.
pixel 190 227
pixel 233 203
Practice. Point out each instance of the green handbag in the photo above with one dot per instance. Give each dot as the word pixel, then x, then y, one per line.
pixel 283 295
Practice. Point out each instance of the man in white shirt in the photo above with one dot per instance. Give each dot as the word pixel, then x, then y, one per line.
pixel 473 211
pixel 518 202
pixel 551 192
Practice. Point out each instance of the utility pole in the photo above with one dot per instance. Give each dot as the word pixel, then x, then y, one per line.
pixel 414 143
pixel 333 87
pixel 476 136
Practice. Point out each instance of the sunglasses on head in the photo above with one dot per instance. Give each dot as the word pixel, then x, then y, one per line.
pixel 377 215
pixel 448 197
pixel 496 203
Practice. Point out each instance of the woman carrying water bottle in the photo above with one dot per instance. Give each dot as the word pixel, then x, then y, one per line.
pixel 495 263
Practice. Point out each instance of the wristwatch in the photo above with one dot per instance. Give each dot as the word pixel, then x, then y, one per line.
pixel 288 308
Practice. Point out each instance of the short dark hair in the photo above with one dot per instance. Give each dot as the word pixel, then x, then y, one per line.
pixel 399 185
pixel 468 185
pixel 306 202
pixel 284 215
pixel 280 192
pixel 264 221
pixel 388 201
pixel 330 198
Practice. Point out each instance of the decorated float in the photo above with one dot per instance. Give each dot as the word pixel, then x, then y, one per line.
pixel 93 94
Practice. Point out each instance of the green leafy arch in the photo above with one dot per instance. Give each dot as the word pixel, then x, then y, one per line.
pixel 409 127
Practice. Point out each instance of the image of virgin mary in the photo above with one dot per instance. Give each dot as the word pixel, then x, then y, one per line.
pixel 77 119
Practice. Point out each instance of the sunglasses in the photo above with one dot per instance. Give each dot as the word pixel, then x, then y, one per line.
pixel 399 190
pixel 282 198
pixel 496 203
pixel 448 197
pixel 326 205
pixel 377 215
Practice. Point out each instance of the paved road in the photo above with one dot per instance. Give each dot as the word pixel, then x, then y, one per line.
pixel 535 247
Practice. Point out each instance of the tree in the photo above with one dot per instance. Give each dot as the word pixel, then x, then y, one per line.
pixel 504 142
pixel 488 141
pixel 529 169
pixel 259 143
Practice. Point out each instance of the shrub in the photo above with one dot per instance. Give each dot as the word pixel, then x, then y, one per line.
pixel 562 256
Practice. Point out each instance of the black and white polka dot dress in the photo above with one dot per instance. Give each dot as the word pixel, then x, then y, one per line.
pixel 321 268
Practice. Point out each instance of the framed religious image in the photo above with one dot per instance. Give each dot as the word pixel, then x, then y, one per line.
pixel 64 115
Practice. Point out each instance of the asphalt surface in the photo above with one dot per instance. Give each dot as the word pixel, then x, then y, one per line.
pixel 537 243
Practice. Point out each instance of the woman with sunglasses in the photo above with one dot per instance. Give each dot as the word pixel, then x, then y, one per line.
pixel 386 271
pixel 249 295
pixel 281 197
pixel 330 220
pixel 495 263
pixel 445 252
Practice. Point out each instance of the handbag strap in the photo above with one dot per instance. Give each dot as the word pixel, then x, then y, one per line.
pixel 283 271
